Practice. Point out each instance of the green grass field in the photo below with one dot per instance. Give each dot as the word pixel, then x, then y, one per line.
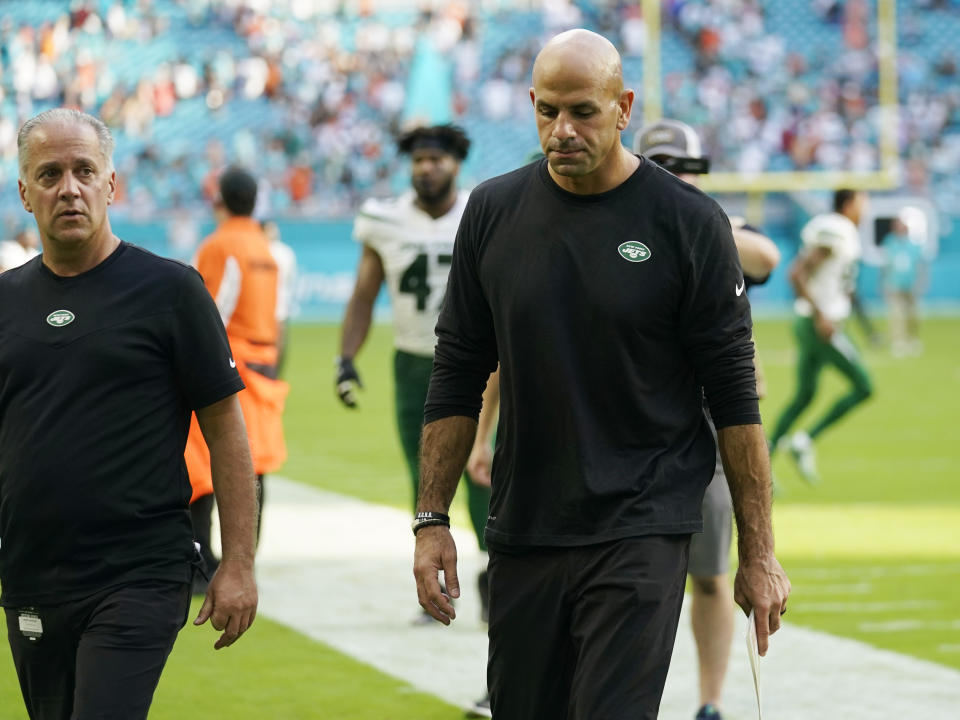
pixel 873 551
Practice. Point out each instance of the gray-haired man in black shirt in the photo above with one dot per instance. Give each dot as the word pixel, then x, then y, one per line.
pixel 105 349
pixel 611 294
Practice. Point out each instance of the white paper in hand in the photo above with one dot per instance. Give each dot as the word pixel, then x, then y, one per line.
pixel 753 652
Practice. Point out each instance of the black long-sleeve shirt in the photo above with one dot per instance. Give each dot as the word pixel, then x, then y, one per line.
pixel 610 314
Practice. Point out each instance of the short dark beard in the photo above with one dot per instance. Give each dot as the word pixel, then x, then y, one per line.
pixel 437 197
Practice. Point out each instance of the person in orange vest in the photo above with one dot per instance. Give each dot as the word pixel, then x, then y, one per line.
pixel 241 274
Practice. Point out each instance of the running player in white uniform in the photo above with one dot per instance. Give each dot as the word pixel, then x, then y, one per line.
pixel 823 277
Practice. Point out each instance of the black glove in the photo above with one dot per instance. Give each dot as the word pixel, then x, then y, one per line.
pixel 347 377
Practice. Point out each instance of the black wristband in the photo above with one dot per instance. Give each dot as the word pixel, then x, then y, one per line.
pixel 426 518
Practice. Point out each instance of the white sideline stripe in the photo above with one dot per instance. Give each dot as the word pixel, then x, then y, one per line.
pixel 909 624
pixel 851 589
pixel 339 570
pixel 876 571
pixel 868 607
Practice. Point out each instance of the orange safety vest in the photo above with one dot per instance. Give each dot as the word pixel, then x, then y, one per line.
pixel 241 275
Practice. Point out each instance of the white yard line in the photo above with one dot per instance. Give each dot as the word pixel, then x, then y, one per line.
pixel 868 572
pixel 859 608
pixel 339 570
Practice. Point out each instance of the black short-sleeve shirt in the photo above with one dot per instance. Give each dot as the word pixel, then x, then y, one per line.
pixel 611 315
pixel 98 376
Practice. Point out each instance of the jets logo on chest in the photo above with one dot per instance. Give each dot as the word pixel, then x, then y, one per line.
pixel 633 251
pixel 60 318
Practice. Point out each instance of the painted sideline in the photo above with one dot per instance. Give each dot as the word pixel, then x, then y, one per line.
pixel 340 571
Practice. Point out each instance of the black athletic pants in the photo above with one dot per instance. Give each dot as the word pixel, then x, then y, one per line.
pixel 584 633
pixel 98 658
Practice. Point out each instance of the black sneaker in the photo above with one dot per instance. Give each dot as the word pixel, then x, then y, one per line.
pixel 708 712
pixel 480 709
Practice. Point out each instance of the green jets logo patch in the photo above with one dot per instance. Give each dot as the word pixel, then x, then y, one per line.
pixel 59 318
pixel 634 251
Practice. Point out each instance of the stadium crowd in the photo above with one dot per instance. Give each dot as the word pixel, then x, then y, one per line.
pixel 312 100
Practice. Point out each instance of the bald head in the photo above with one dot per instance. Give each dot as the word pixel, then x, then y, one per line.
pixel 581 107
pixel 579 56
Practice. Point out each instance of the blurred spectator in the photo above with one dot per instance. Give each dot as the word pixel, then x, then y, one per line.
pixel 903 278
pixel 313 99
pixel 183 230
pixel 24 246
pixel 216 161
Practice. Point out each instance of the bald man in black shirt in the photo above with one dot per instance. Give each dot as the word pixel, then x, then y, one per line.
pixel 611 294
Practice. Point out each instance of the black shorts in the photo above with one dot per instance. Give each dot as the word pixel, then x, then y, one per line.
pixel 99 657
pixel 587 632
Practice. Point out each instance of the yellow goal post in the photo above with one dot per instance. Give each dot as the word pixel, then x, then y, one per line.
pixel 885 178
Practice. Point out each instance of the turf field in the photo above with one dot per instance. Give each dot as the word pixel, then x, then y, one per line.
pixel 873 551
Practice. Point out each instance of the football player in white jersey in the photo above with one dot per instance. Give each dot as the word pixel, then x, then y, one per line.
pixel 408 243
pixel 823 277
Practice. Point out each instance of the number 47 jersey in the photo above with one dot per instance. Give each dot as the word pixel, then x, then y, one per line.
pixel 416 251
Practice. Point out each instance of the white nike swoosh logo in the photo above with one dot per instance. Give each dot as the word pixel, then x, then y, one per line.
pixel 740 288
pixel 233 364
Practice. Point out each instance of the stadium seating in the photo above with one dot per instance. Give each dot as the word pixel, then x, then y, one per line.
pixel 754 76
